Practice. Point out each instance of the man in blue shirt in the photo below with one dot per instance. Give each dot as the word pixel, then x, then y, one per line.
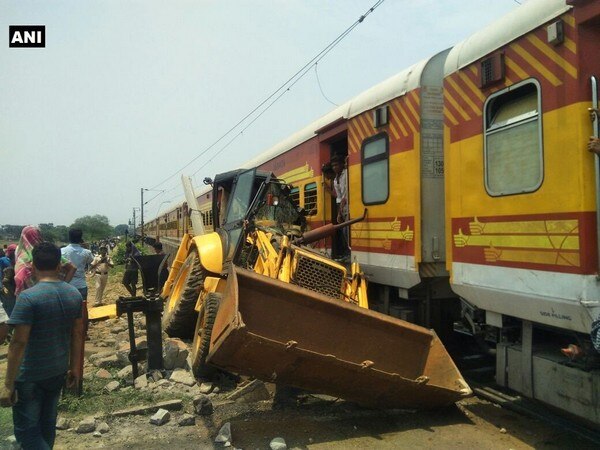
pixel 7 300
pixel 44 350
pixel 80 257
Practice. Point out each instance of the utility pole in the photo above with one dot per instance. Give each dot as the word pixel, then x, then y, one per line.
pixel 134 221
pixel 142 214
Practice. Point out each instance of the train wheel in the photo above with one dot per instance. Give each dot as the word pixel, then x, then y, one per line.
pixel 204 326
pixel 180 316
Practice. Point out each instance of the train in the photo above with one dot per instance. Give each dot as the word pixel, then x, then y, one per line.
pixel 482 199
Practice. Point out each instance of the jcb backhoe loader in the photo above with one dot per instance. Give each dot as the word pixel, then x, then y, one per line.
pixel 266 305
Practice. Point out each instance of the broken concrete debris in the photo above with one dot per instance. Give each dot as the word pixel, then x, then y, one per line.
pixel 254 391
pixel 186 420
pixel 87 425
pixel 206 388
pixel 103 373
pixel 63 423
pixel 141 382
pixel 161 417
pixel 278 444
pixel 112 386
pixel 103 428
pixel 170 405
pixel 224 434
pixel 125 372
pixel 203 405
pixel 175 353
pixel 182 376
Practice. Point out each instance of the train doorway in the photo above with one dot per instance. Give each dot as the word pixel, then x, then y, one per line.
pixel 338 156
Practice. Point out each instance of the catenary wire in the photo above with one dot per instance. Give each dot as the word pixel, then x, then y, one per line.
pixel 300 73
pixel 321 88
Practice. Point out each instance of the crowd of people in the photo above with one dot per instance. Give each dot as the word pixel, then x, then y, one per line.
pixel 43 295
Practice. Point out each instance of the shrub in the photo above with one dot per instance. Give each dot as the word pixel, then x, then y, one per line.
pixel 118 253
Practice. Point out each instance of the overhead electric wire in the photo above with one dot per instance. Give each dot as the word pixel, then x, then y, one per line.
pixel 299 74
pixel 321 88
pixel 261 113
pixel 157 195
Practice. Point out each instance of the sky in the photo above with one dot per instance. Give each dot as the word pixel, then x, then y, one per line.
pixel 126 93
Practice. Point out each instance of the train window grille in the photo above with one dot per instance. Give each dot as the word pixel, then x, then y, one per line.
pixel 295 196
pixel 513 140
pixel 310 199
pixel 375 169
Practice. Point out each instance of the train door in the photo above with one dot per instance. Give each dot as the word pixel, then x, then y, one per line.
pixel 338 155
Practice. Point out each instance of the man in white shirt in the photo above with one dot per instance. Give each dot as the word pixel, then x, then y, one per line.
pixel 340 191
pixel 100 267
pixel 80 257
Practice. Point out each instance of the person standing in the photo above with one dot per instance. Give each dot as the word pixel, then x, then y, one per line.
pixel 130 276
pixel 7 293
pixel 80 257
pixel 340 192
pixel 158 248
pixel 10 253
pixel 44 350
pixel 5 297
pixel 24 277
pixel 100 267
pixel 164 270
pixel 4 261
pixel 3 325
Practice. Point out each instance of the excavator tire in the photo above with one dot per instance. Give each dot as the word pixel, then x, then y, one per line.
pixel 180 315
pixel 202 334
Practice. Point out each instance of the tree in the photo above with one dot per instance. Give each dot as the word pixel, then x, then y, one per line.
pixel 12 232
pixel 61 232
pixel 48 231
pixel 94 227
pixel 121 229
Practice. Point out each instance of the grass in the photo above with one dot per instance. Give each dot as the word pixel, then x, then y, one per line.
pixel 115 274
pixel 6 424
pixel 95 401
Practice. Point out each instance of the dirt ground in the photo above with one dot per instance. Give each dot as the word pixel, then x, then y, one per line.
pixel 319 422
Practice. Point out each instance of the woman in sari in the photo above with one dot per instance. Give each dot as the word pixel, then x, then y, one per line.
pixel 24 277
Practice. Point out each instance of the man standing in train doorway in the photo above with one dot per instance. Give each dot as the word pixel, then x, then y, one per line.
pixel 340 192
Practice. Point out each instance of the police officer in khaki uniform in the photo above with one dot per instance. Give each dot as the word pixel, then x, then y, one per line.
pixel 100 266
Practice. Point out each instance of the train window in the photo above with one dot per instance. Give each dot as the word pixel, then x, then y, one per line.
pixel 310 199
pixel 375 169
pixel 513 140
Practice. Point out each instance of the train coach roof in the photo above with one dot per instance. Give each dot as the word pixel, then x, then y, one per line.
pixel 393 87
pixel 518 22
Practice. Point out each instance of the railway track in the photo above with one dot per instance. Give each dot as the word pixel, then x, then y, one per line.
pixel 478 370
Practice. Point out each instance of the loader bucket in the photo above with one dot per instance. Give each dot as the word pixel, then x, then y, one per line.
pixel 282 333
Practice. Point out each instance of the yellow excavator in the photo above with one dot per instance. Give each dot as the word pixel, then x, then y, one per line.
pixel 257 300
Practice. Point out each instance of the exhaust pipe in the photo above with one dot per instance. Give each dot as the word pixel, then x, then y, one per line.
pixel 326 230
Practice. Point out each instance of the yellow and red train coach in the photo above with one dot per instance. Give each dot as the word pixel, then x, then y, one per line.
pixel 520 186
pixel 481 196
